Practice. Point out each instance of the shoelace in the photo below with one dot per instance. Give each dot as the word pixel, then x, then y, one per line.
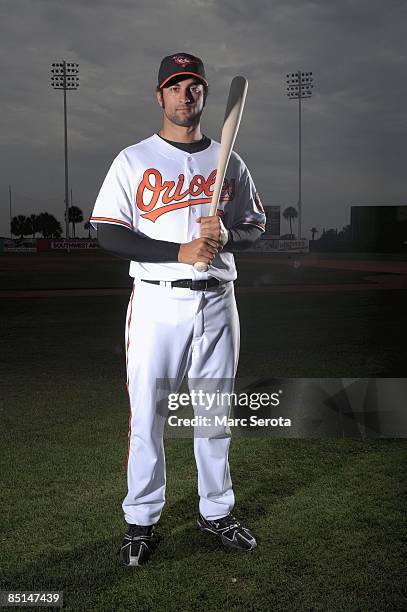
pixel 228 522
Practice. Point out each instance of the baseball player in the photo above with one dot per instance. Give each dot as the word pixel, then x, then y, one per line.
pixel 152 209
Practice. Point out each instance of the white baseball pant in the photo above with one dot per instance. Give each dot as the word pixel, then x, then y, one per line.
pixel 172 333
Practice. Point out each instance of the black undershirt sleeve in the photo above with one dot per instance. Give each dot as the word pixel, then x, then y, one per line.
pixel 127 244
pixel 242 237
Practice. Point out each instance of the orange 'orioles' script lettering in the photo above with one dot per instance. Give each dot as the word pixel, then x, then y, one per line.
pixel 173 196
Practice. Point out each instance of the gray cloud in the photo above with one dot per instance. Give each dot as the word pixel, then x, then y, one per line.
pixel 354 126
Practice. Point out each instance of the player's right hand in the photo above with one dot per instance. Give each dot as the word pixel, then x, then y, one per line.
pixel 201 249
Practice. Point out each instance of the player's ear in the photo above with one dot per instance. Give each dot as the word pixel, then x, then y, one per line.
pixel 205 95
pixel 159 96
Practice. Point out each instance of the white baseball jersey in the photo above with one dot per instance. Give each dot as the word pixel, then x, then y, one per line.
pixel 159 191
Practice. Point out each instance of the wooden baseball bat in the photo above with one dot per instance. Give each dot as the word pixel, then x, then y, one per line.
pixel 231 122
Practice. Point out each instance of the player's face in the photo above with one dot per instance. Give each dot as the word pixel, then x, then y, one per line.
pixel 182 102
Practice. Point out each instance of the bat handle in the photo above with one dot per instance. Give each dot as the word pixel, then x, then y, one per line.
pixel 200 266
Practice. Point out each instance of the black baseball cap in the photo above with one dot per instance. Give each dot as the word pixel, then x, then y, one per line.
pixel 181 64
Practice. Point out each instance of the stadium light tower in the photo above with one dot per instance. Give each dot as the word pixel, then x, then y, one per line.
pixel 299 86
pixel 65 76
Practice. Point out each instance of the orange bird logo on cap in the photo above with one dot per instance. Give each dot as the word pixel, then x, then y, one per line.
pixel 182 60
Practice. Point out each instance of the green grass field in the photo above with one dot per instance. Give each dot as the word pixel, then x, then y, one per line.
pixel 328 514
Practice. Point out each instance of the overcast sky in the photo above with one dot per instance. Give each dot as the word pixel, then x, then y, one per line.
pixel 354 126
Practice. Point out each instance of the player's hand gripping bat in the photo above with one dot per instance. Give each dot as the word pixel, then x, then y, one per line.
pixel 233 115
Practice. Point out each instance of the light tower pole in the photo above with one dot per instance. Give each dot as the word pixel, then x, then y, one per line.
pixel 299 86
pixel 9 195
pixel 65 76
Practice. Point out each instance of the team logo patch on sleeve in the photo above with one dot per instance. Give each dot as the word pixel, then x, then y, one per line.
pixel 258 203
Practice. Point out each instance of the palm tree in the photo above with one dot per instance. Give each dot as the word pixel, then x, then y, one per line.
pixel 290 213
pixel 34 224
pixel 313 231
pixel 19 226
pixel 88 227
pixel 75 215
pixel 48 226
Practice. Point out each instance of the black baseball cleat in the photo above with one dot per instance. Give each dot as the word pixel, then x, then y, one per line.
pixel 137 545
pixel 229 531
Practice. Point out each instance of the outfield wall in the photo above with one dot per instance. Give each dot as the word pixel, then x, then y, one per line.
pixel 76 244
pixel 43 245
pixel 280 246
pixel 26 245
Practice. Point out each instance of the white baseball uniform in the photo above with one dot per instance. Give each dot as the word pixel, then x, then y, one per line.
pixel 159 191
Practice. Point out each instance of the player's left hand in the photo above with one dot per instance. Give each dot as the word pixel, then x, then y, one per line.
pixel 212 227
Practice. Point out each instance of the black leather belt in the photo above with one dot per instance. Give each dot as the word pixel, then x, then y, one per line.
pixel 186 283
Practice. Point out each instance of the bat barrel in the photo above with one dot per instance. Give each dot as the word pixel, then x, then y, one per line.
pixel 231 123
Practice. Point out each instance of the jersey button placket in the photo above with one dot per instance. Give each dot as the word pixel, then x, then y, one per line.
pixel 193 228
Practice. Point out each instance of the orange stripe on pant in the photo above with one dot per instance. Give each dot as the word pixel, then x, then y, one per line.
pixel 127 378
